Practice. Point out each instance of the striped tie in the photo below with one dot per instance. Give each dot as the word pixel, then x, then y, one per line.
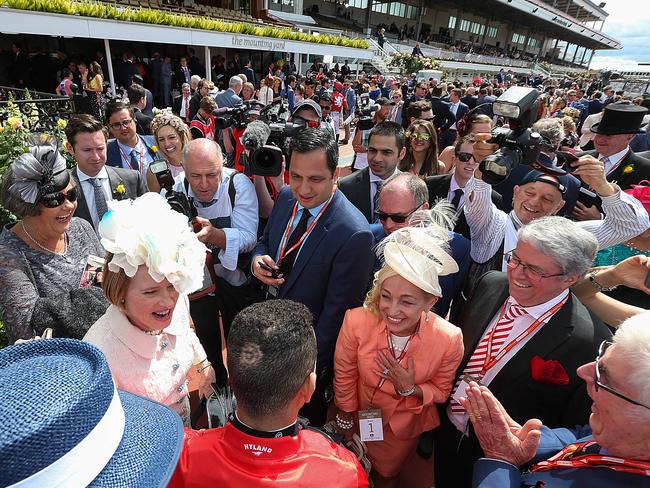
pixel 475 365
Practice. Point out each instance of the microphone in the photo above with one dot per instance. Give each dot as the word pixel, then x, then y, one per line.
pixel 255 135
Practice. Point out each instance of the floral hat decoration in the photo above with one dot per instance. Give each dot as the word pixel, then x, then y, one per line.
pixel 146 231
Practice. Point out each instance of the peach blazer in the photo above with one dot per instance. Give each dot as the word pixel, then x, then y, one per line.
pixel 436 349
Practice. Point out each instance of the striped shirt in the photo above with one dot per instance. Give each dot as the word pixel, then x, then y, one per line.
pixel 625 218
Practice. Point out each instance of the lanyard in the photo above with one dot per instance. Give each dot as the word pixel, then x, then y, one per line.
pixel 128 160
pixel 399 358
pixel 287 232
pixel 575 456
pixel 491 361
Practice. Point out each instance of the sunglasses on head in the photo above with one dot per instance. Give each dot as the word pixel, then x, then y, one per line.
pixel 54 200
pixel 464 156
pixel 422 136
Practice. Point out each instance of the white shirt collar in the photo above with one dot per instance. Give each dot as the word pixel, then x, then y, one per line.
pixel 536 311
pixel 374 178
pixel 615 158
pixel 102 175
pixel 453 184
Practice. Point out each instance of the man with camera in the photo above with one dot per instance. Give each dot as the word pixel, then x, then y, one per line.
pixel 227 213
pixel 316 249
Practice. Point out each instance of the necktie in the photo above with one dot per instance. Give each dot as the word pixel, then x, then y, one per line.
pixel 458 193
pixel 606 163
pixel 375 199
pixel 100 199
pixel 475 364
pixel 134 160
pixel 287 262
pixel 187 109
pixel 187 75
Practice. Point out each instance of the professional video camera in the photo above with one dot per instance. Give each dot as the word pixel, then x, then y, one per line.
pixel 177 200
pixel 517 144
pixel 366 111
pixel 234 116
pixel 267 140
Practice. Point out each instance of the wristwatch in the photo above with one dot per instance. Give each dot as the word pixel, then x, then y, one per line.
pixel 595 284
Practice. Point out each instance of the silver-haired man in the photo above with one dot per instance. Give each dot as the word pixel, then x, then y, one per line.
pixel 525 335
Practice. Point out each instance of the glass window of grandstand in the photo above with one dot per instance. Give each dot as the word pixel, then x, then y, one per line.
pixel 452 22
pixel 492 32
pixel 358 3
pixel 396 9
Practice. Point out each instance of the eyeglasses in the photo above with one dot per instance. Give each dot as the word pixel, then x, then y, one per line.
pixel 397 218
pixel 54 200
pixel 422 136
pixel 325 107
pixel 598 384
pixel 533 273
pixel 119 125
pixel 464 156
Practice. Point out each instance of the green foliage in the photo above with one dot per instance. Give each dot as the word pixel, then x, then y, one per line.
pixel 4 342
pixel 89 8
pixel 408 63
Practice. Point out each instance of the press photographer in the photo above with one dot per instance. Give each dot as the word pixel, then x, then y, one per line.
pixel 226 207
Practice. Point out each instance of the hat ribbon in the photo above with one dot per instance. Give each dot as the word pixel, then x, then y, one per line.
pixel 81 465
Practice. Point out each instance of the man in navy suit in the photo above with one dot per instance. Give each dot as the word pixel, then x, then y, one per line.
pixel 249 73
pixel 319 248
pixel 458 109
pixel 400 197
pixel 611 451
pixel 128 150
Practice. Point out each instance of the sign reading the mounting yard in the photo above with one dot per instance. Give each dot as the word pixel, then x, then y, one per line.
pixel 252 43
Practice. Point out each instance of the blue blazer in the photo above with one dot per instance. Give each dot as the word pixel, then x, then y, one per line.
pixel 113 156
pixel 491 473
pixel 450 284
pixel 332 269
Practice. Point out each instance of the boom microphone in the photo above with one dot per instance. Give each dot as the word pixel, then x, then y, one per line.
pixel 255 135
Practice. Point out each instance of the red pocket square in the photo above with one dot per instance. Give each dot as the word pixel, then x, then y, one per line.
pixel 548 371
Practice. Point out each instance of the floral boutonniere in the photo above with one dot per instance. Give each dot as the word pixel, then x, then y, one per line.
pixel 119 192
pixel 628 169
pixel 153 150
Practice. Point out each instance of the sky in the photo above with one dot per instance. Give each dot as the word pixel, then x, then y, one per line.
pixel 629 23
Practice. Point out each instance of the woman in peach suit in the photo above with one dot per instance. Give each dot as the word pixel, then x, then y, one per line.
pixel 394 354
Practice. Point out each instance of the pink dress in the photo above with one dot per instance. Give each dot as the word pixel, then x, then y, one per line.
pixel 153 366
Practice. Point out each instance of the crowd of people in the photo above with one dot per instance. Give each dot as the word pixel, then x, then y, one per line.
pixel 416 307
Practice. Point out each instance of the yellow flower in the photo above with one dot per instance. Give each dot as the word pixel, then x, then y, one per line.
pixel 2 128
pixel 628 169
pixel 62 123
pixel 15 122
pixel 120 189
pixel 154 149
pixel 408 133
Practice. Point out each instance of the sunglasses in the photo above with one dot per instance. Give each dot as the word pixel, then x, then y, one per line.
pixel 464 156
pixel 397 218
pixel 422 136
pixel 54 200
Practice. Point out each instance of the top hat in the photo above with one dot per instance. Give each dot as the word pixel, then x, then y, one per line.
pixel 65 424
pixel 620 118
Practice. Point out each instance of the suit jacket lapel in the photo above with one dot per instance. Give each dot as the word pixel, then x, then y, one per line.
pixel 82 205
pixel 317 234
pixel 361 197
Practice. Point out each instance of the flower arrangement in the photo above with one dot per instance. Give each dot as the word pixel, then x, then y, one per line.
pixel 408 63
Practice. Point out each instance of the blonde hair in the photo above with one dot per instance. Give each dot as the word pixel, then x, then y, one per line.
pixel 114 283
pixel 163 119
pixel 371 302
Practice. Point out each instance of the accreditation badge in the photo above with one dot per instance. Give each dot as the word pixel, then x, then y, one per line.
pixel 370 425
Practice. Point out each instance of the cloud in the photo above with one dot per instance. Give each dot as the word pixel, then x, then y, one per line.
pixel 628 23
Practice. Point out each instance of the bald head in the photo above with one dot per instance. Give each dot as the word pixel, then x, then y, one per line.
pixel 203 161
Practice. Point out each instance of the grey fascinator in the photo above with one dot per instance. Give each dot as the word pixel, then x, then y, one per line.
pixel 39 172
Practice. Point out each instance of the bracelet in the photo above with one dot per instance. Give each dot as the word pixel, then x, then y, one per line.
pixel 595 284
pixel 344 424
pixel 406 393
pixel 207 365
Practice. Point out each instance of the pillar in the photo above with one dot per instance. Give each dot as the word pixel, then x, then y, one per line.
pixel 109 63
pixel 208 63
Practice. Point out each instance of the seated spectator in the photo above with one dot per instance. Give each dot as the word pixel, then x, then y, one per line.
pixel 44 254
pixel 421 150
pixel 86 433
pixel 271 358
pixel 154 260
pixel 202 125
pixel 171 135
pixel 474 124
pixel 612 451
pixel 412 371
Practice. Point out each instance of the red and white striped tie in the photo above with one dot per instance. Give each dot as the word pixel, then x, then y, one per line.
pixel 475 364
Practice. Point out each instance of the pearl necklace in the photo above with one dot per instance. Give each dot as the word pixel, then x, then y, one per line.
pixel 31 238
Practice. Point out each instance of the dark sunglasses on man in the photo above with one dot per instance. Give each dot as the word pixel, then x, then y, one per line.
pixel 54 200
pixel 397 218
pixel 464 156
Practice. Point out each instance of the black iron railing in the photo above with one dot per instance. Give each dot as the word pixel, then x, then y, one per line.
pixel 40 111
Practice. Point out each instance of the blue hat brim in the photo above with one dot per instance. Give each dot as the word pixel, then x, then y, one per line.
pixel 150 447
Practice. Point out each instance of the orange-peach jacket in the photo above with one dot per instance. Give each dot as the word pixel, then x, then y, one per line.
pixel 436 349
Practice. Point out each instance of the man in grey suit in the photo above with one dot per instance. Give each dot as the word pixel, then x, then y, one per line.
pixel 230 97
pixel 99 183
